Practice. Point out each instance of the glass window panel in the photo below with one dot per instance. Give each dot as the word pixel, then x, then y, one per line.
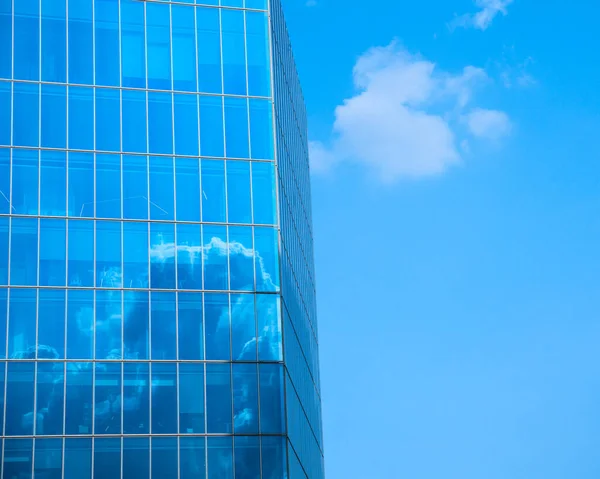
pixel 274 457
pixel 241 256
pixel 81 253
pixel 6 34
pixel 81 184
pixel 189 256
pixel 22 323
pixel 5 110
pixel 269 327
pixel 108 254
pixel 106 17
pixel 236 128
pixel 107 398
pixel 184 49
pixel 209 50
pixel 26 114
pixel 191 398
pixel 162 256
pixel 247 457
pixel 243 324
pixel 108 325
pixel 3 321
pixel 257 44
pixel 80 324
pixel 245 398
pixel 4 250
pixel 164 399
pixel 186 125
pixel 54 41
pixel 261 129
pixel 164 457
pixel 51 323
pixel 158 37
pixel 48 458
pixel 107 457
pixel 191 338
pixel 232 3
pixel 192 457
pixel 218 398
pixel 25 181
pixel 19 399
pixel 160 122
pixel 54 116
pixel 18 456
pixel 136 403
pixel 81 41
pixel 78 458
pixel 135 328
pixel 162 196
pixel 215 257
pixel 238 183
pixel 53 183
pixel 263 193
pixel 133 47
pixel 135 187
pixel 108 186
pixel 50 394
pixel 81 118
pixel 187 179
pixel 271 399
pixel 136 457
pixel 135 255
pixel 53 254
pixel 234 53
pixel 163 326
pixel 79 398
pixel 108 120
pixel 4 180
pixel 267 264
pixel 27 40
pixel 24 251
pixel 258 4
pixel 211 126
pixel 213 191
pixel 134 121
pixel 217 323
pixel 220 457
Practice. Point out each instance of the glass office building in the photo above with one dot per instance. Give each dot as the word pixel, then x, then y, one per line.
pixel 157 294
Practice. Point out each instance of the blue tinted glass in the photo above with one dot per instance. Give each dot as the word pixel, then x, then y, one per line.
pixel 48 458
pixel 257 38
pixel 243 325
pixel 107 398
pixel 238 183
pixel 135 187
pixel 236 127
pixel 25 171
pixel 163 315
pixel 191 398
pixel 135 255
pixel 53 183
pixel 51 324
pixel 5 111
pixel 108 254
pixel 232 3
pixel 107 325
pixel 211 126
pixel 261 129
pixel 3 252
pixel 241 258
pixel 25 114
pixel 274 457
pixel 54 41
pixel 80 326
pixel 80 267
pixel 133 47
pixel 209 50
pixel 23 253
pixel 27 40
pixel 217 324
pixel 245 398
pixel 106 17
pixel 20 384
pixel 81 118
pixel 21 323
pixel 218 398
pixel 136 403
pixel 108 186
pixel 164 457
pixel 79 400
pixel 247 458
pixel 263 193
pixel 53 254
pixel 107 457
pixel 81 41
pixel 18 455
pixel 162 256
pixel 108 120
pixel 267 263
pixel 6 39
pixel 49 395
pixel 164 399
pixel 187 179
pixel 271 399
pixel 54 116
pixel 135 325
pixel 186 125
pixel 134 121
pixel 216 275
pixel 192 457
pixel 160 122
pixel 81 185
pixel 269 327
pixel 220 457
pixel 213 191
pixel 189 256
pixel 78 458
pixel 234 53
pixel 3 322
pixel 4 181
pixel 136 457
pixel 259 4
pixel 184 49
pixel 158 38
pixel 191 337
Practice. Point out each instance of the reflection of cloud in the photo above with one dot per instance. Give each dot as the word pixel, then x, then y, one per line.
pixel 482 19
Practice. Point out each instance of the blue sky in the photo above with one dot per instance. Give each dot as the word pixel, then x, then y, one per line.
pixel 456 189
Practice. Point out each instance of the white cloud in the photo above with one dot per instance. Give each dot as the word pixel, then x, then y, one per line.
pixel 482 19
pixel 489 124
pixel 403 120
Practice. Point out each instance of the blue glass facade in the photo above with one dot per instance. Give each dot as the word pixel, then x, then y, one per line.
pixel 157 313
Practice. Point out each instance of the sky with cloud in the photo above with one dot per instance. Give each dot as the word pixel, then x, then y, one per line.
pixel 455 164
